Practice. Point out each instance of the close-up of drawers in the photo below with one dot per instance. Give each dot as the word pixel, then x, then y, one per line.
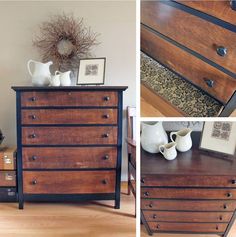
pixel 184 196
pixel 197 41
pixel 69 143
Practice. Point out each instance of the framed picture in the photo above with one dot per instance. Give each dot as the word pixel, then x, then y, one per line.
pixel 219 136
pixel 91 71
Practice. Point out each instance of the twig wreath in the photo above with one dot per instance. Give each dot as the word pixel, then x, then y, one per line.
pixel 65 40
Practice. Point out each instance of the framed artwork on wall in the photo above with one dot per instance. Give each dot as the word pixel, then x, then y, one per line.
pixel 219 136
pixel 91 71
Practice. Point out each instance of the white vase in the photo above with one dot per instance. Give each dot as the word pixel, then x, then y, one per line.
pixel 153 135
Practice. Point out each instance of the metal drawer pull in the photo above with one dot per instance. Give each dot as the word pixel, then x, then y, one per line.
pixel 8 177
pixel 154 216
pixel 150 205
pixel 158 226
pixel 217 228
pixel 221 51
pixel 229 195
pixel 221 218
pixel 33 99
pixel 34 157
pixel 106 116
pixel 106 157
pixel 32 135
pixel 104 181
pixel 106 135
pixel 233 181
pixel 7 160
pixel 225 206
pixel 146 194
pixel 33 116
pixel 209 82
pixel 142 180
pixel 106 98
pixel 34 182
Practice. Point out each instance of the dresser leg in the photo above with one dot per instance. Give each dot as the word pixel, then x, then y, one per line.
pixel 229 107
pixel 117 204
pixel 21 205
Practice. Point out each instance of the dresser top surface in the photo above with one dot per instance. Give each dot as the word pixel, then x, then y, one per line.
pixel 70 88
pixel 192 162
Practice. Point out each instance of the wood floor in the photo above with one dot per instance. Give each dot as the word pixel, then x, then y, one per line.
pixel 144 234
pixel 98 219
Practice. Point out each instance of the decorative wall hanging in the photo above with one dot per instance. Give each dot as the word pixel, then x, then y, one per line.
pixel 91 71
pixel 65 40
pixel 219 136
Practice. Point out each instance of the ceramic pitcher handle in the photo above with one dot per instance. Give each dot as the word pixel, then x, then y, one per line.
pixel 160 149
pixel 57 72
pixel 171 136
pixel 28 66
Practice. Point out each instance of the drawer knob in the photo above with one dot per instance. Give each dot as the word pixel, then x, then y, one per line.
pixel 32 135
pixel 33 117
pixel 106 98
pixel 225 206
pixel 106 116
pixel 229 195
pixel 217 227
pixel 104 181
pixel 146 194
pixel 106 157
pixel 158 226
pixel 34 182
pixel 233 181
pixel 150 205
pixel 210 83
pixel 33 98
pixel 221 51
pixel 154 216
pixel 142 180
pixel 106 135
pixel 221 218
pixel 34 157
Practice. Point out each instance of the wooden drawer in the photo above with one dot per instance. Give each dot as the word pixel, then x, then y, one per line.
pixel 69 182
pixel 69 116
pixel 7 159
pixel 7 194
pixel 191 31
pixel 190 67
pixel 188 227
pixel 188 193
pixel 7 178
pixel 187 216
pixel 67 158
pixel 220 9
pixel 69 98
pixel 188 205
pixel 69 135
pixel 189 181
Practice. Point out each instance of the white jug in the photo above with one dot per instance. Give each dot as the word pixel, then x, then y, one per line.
pixel 64 78
pixel 169 150
pixel 55 80
pixel 183 139
pixel 41 74
pixel 153 135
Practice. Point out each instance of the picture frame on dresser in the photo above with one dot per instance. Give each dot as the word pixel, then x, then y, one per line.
pixel 91 71
pixel 219 136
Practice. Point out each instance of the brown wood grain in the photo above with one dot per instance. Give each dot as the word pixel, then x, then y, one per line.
pixel 72 98
pixel 69 116
pixel 220 9
pixel 188 205
pixel 179 180
pixel 195 33
pixel 189 227
pixel 69 182
pixel 188 66
pixel 69 135
pixel 7 178
pixel 189 193
pixel 189 216
pixel 66 158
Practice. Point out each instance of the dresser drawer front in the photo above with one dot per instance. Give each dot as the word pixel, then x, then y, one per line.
pixel 188 227
pixel 69 135
pixel 7 159
pixel 190 67
pixel 168 216
pixel 69 158
pixel 189 181
pixel 69 116
pixel 191 31
pixel 69 98
pixel 188 205
pixel 189 193
pixel 7 178
pixel 8 194
pixel 68 182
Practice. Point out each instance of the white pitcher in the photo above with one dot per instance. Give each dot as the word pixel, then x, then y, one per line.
pixel 153 135
pixel 55 80
pixel 64 78
pixel 41 73
pixel 169 150
pixel 183 139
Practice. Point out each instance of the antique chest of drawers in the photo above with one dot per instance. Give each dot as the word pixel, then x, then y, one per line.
pixel 69 143
pixel 196 40
pixel 7 174
pixel 195 193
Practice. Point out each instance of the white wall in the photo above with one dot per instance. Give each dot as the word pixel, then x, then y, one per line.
pixel 19 20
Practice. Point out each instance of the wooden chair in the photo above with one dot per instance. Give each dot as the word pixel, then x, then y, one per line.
pixel 131 122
